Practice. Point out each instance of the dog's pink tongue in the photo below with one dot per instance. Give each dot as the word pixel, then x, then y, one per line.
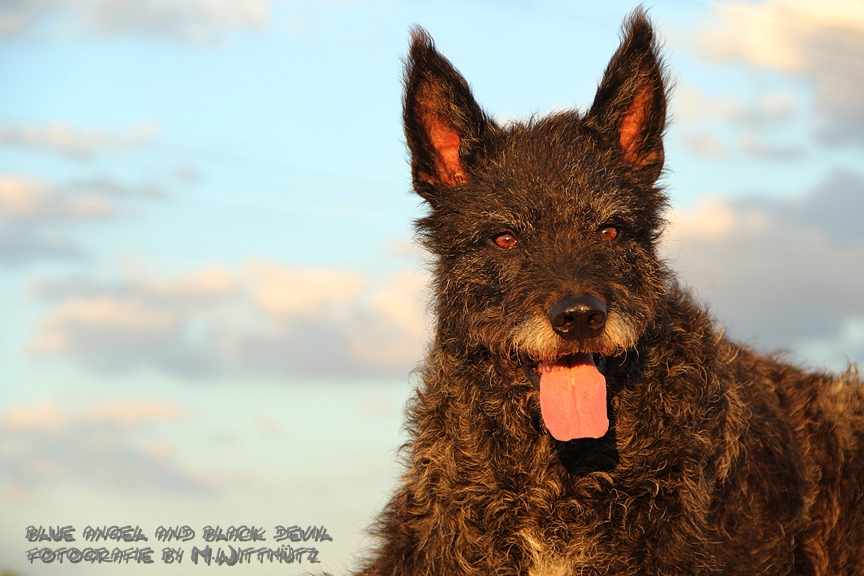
pixel 573 398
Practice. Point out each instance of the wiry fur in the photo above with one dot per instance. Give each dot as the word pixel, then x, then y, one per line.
pixel 718 460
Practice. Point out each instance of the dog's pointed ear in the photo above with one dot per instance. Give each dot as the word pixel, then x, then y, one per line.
pixel 444 126
pixel 630 106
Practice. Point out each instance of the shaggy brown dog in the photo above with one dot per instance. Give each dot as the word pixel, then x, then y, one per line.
pixel 578 412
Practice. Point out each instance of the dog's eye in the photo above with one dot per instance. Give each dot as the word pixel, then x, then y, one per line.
pixel 505 240
pixel 608 233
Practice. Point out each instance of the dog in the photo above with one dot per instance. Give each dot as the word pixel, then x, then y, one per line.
pixel 578 412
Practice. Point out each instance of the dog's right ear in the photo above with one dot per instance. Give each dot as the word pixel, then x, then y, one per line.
pixel 444 125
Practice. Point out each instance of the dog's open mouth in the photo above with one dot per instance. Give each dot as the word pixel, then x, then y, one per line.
pixel 572 395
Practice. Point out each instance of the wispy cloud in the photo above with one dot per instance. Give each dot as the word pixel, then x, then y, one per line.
pixel 767 111
pixel 198 21
pixel 821 42
pixel 36 216
pixel 100 445
pixel 77 144
pixel 788 271
pixel 757 129
pixel 266 320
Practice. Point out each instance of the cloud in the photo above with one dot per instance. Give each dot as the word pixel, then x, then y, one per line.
pixel 40 443
pixel 747 130
pixel 755 148
pixel 267 320
pixel 36 216
pixel 71 142
pixel 198 21
pixel 25 198
pixel 769 110
pixel 708 144
pixel 823 43
pixel 21 244
pixel 789 273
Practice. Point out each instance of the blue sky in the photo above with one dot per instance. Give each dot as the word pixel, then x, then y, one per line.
pixel 210 296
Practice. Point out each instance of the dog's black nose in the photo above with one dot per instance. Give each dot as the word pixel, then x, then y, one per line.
pixel 575 317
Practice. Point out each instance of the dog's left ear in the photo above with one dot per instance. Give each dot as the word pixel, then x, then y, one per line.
pixel 444 125
pixel 630 106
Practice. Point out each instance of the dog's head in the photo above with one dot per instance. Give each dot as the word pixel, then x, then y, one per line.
pixel 544 232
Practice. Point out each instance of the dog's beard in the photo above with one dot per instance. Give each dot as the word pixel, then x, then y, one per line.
pixel 569 375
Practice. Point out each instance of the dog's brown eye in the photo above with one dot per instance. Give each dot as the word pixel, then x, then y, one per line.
pixel 608 233
pixel 505 240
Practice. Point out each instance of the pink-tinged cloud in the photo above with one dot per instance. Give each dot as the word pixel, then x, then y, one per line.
pixel 265 320
pixel 822 42
pixel 74 143
pixel 99 445
pixel 38 217
pixel 781 273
